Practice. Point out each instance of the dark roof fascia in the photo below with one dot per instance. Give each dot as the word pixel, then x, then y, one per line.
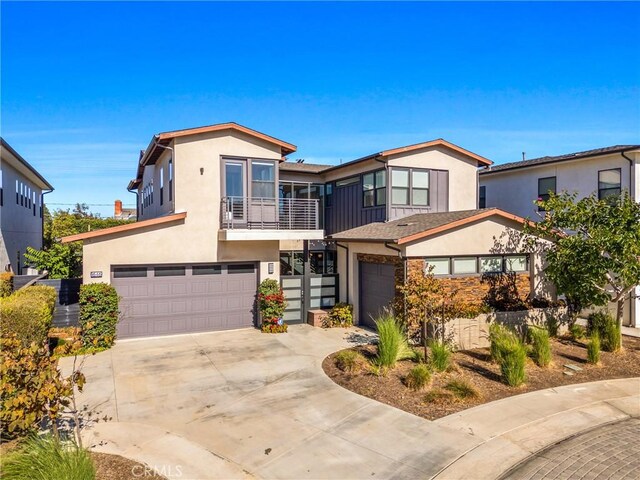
pixel 373 156
pixel 532 163
pixel 25 163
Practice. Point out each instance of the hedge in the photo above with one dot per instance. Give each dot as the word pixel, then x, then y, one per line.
pixel 98 315
pixel 6 284
pixel 28 314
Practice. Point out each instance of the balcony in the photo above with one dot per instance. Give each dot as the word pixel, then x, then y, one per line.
pixel 243 218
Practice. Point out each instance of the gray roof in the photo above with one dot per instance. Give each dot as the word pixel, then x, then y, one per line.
pixel 559 158
pixel 303 167
pixel 36 176
pixel 405 227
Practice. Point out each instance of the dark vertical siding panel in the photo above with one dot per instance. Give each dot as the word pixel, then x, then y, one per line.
pixel 347 211
pixel 443 191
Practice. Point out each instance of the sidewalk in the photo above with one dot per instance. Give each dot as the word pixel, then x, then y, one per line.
pixel 514 428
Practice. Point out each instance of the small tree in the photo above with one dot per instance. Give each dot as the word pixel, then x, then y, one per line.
pixel 594 254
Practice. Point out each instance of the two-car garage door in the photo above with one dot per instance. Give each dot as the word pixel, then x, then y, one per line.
pixel 172 299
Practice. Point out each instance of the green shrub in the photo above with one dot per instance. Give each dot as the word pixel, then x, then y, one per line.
pixel 552 324
pixel 98 315
pixel 30 386
pixel 439 396
pixel 541 348
pixel 597 322
pixel 28 314
pixel 418 377
pixel 341 315
pixel 593 349
pixel 6 284
pixel 501 338
pixel 462 389
pixel 611 337
pixel 45 458
pixel 44 292
pixel 418 355
pixel 577 332
pixel 349 361
pixel 440 358
pixel 392 341
pixel 513 360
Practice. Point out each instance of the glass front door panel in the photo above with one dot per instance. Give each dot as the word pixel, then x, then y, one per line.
pixel 234 189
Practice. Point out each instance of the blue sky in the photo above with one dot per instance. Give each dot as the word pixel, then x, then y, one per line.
pixel 86 85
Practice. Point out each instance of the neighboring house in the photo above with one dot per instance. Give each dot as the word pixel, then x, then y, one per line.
pixel 220 209
pixel 120 213
pixel 21 204
pixel 604 171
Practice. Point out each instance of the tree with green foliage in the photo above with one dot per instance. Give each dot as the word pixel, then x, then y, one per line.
pixel 65 260
pixel 593 256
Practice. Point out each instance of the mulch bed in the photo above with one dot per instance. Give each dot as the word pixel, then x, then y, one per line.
pixel 476 367
pixel 115 467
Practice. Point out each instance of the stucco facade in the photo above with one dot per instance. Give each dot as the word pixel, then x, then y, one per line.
pixel 20 209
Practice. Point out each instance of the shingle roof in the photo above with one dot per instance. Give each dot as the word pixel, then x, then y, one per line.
pixel 417 226
pixel 303 167
pixel 559 158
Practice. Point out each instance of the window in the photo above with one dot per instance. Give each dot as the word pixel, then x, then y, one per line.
pixel 241 268
pixel 482 197
pixel 420 187
pixel 546 186
pixel 206 270
pixel 129 272
pixel 291 263
pixel 374 189
pixel 347 181
pixel 465 265
pixel 490 264
pixel 161 185
pixel 322 262
pixel 399 186
pixel 173 271
pixel 34 204
pixel 170 179
pixel 609 183
pixel 328 195
pixel 263 178
pixel 17 192
pixel 1 190
pixel 439 266
pixel 516 263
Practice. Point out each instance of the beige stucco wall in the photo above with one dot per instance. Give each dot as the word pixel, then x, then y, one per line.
pixel 463 175
pixel 196 238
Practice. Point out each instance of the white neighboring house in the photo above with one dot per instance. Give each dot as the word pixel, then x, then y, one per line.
pixel 21 204
pixel 605 171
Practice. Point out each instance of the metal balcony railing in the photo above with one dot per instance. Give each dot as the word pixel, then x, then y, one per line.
pixel 269 213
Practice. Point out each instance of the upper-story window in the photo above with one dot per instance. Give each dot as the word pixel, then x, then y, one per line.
pixel 410 186
pixel 263 179
pixel 328 195
pixel 374 189
pixel 170 179
pixel 345 182
pixel 1 190
pixel 609 183
pixel 482 197
pixel 161 185
pixel 546 187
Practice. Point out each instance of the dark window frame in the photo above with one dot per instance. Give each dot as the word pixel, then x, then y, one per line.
pixel 375 189
pixel 544 196
pixel 619 188
pixel 410 188
pixel 328 194
pixel 170 179
pixel 482 196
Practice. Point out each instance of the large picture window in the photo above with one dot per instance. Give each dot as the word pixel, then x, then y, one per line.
pixel 609 183
pixel 374 189
pixel 263 179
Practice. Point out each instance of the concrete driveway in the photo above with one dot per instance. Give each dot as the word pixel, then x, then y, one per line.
pixel 244 403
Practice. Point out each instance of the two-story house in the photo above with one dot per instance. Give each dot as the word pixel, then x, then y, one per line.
pixel 21 208
pixel 220 209
pixel 605 171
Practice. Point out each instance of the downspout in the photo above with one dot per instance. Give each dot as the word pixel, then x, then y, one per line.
pixel 404 273
pixel 135 192
pixel 347 274
pixel 631 176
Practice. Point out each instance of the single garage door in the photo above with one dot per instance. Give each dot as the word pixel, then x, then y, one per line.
pixel 377 290
pixel 170 299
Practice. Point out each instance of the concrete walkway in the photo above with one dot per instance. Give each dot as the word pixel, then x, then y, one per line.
pixel 245 404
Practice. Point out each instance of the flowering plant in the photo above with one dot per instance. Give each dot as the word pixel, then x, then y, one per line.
pixel 272 305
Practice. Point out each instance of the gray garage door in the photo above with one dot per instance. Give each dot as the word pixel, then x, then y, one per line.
pixel 165 300
pixel 377 290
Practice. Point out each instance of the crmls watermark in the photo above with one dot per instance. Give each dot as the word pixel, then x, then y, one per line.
pixel 141 471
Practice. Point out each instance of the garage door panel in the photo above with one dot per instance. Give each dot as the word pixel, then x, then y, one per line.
pixel 377 290
pixel 181 304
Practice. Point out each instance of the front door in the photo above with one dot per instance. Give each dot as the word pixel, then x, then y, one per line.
pixel 292 281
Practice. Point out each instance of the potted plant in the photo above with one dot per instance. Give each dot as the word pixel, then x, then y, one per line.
pixel 272 304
